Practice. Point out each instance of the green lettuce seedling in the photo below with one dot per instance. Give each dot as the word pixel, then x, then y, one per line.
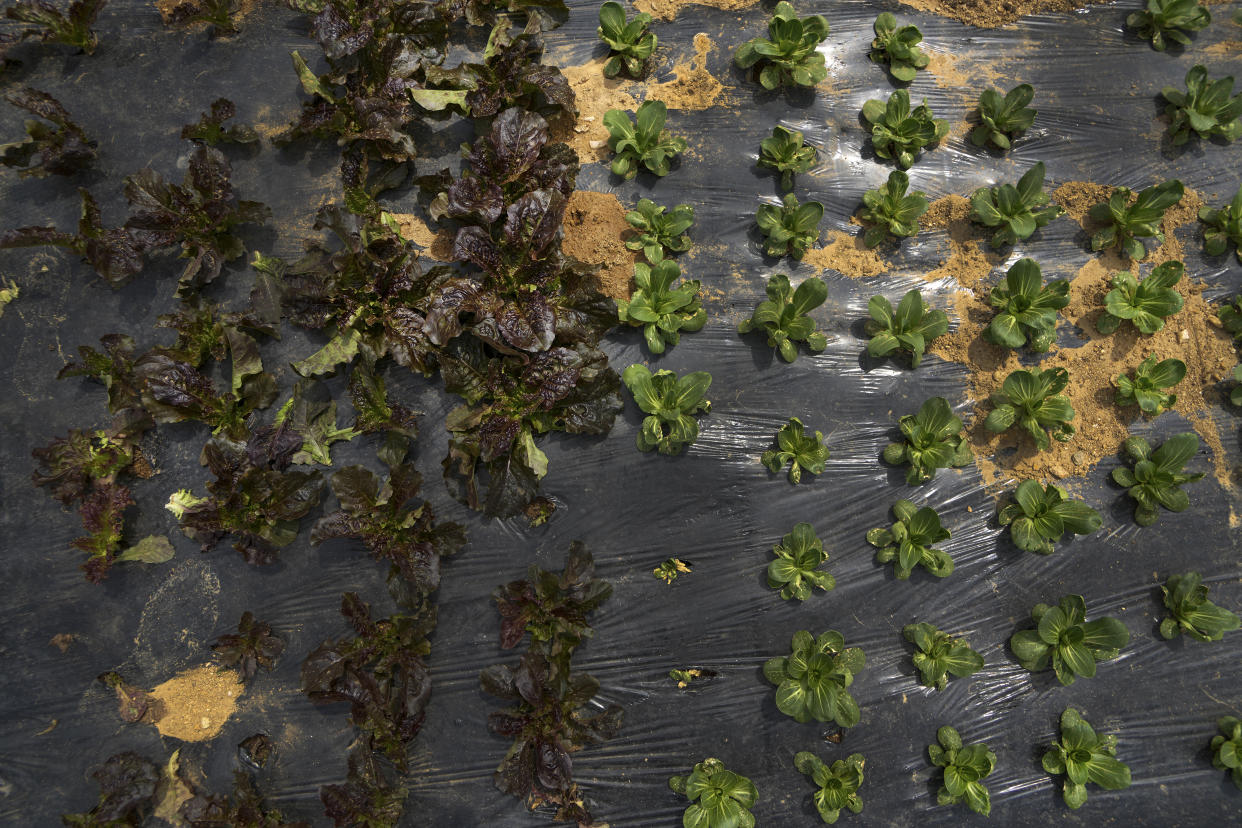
pixel 891 212
pixel 671 568
pixel 783 316
pixel 898 47
pixel 1032 400
pixel 789 227
pixel 1064 637
pixel 1165 20
pixel 1235 395
pixel 908 329
pixel 1084 757
pixel 1028 308
pixel 1126 223
pixel 630 42
pixel 1040 516
pixel 658 233
pixel 670 403
pixel 1207 108
pixel 908 542
pixel 1190 611
pixel 1145 387
pixel 965 768
pixel 1227 748
pixel 788 55
pixel 1231 316
pixel 813 681
pixel 1145 303
pixel 899 132
pixel 801 451
pixel 933 440
pixel 1220 227
pixel 643 144
pixel 1017 211
pixel 785 153
pixel 938 655
pixel 724 798
pixel 795 570
pixel 838 784
pixel 1000 119
pixel 661 310
pixel 1157 476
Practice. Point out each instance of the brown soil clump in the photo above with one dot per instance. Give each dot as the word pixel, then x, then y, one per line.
pixel 987 14
pixel 668 9
pixel 594 95
pixel 943 68
pixel 692 88
pixel 436 244
pixel 847 255
pixel 595 231
pixel 968 263
pixel 198 702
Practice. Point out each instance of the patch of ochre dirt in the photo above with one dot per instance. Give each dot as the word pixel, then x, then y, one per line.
pixel 595 231
pixel 198 702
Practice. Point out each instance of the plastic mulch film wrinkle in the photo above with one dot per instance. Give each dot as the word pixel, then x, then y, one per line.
pixel 716 506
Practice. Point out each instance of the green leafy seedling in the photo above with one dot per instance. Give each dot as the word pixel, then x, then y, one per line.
pixel 629 41
pixel 1084 757
pixel 719 798
pixel 796 569
pixel 1145 303
pixel 898 132
pixel 890 211
pixel 1222 226
pixel 1165 20
pixel 1235 394
pixel 898 46
pixel 1066 639
pixel 1027 308
pixel 813 681
pixel 670 403
pixel 642 143
pixel 1157 476
pixel 800 450
pixel 938 655
pixel 1032 400
pixel 1126 223
pixel 785 153
pixel 1040 516
pixel 838 783
pixel 789 228
pixel 671 569
pixel 1018 211
pixel 908 329
pixel 1003 118
pixel 933 440
pixel 783 316
pixel 1190 611
pixel 658 233
pixel 908 542
pixel 965 768
pixel 661 310
pixel 1231 317
pixel 788 55
pixel 1146 387
pixel 1208 108
pixel 1227 746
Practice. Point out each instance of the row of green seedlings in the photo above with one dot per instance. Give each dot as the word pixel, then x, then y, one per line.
pixel 370 292
pixel 813 683
pixel 899 131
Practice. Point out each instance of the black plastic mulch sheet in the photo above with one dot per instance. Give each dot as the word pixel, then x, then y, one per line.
pixel 715 506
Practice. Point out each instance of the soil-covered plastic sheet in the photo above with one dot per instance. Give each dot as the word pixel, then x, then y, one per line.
pixel 1097 95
